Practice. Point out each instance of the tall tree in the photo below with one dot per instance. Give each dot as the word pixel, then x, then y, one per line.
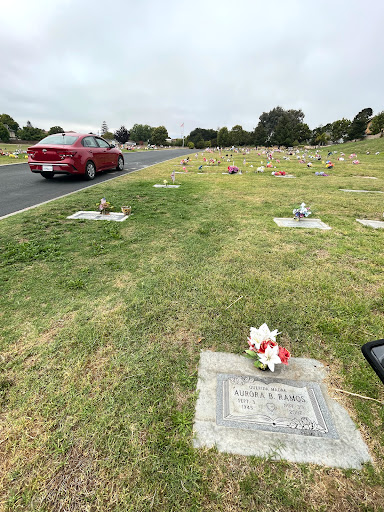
pixel 159 135
pixel 339 129
pixel 55 129
pixel 237 136
pixel 9 121
pixel 141 132
pixel 122 135
pixel 4 133
pixel 259 135
pixel 31 133
pixel 104 128
pixel 359 124
pixel 223 137
pixel 377 124
pixel 270 120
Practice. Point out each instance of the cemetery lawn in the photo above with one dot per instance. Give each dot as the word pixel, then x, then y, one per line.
pixel 102 324
pixel 9 148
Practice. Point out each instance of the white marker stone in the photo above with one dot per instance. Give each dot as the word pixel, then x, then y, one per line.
pixel 372 223
pixel 367 191
pixel 286 414
pixel 166 186
pixel 117 217
pixel 302 223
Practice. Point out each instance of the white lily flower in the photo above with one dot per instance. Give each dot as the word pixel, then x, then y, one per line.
pixel 257 336
pixel 270 357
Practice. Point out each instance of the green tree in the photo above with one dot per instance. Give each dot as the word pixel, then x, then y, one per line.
pixel 9 121
pixel 339 129
pixel 223 137
pixel 377 124
pixel 31 133
pixel 55 129
pixel 122 135
pixel 159 135
pixel 322 138
pixel 4 133
pixel 141 133
pixel 104 127
pixel 199 134
pixel 259 135
pixel 359 124
pixel 237 136
pixel 191 145
pixel 270 120
pixel 108 136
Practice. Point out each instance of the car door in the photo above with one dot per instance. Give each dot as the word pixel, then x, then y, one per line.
pixel 108 154
pixel 94 152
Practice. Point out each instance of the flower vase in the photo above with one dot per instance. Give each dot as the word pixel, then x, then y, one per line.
pixel 126 210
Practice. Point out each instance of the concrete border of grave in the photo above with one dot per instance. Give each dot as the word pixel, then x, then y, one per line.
pixel 228 383
pixel 302 223
pixel 361 191
pixel 377 224
pixel 90 215
pixel 166 186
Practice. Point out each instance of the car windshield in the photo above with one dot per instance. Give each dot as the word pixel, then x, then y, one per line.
pixel 59 139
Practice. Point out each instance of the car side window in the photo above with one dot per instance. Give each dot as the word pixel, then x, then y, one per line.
pixel 102 143
pixel 89 142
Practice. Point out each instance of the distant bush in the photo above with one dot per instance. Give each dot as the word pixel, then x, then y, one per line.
pixel 191 145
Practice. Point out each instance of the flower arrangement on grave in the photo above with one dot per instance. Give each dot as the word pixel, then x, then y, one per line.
pixel 329 164
pixel 104 206
pixel 232 169
pixel 321 173
pixel 278 173
pixel 165 183
pixel 355 162
pixel 309 164
pixel 302 212
pixel 264 348
pixel 127 210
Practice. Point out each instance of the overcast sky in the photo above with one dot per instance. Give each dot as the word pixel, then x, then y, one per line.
pixel 204 63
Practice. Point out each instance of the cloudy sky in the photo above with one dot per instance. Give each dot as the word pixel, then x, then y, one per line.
pixel 204 63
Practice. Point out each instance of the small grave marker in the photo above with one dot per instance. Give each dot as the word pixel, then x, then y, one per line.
pixel 362 191
pixel 372 223
pixel 117 217
pixel 166 186
pixel 287 414
pixel 302 223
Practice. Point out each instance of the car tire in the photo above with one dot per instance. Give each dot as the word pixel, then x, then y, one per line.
pixel 47 175
pixel 120 164
pixel 90 171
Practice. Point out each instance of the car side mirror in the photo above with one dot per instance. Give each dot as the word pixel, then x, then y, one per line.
pixel 374 353
pixel 112 146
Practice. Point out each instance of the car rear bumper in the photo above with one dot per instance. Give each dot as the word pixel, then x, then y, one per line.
pixel 57 168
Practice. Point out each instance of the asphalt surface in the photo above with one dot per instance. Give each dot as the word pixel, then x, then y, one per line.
pixel 21 189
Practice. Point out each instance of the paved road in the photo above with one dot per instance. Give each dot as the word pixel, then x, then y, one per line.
pixel 20 188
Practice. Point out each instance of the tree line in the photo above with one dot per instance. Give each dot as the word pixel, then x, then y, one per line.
pixel 287 128
pixel 277 127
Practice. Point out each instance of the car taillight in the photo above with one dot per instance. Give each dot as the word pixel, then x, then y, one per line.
pixel 66 154
pixel 31 153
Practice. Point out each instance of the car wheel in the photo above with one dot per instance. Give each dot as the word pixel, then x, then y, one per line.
pixel 47 175
pixel 90 171
pixel 120 164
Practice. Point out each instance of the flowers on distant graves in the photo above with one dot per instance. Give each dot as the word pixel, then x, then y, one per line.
pixel 232 169
pixel 264 348
pixel 321 173
pixel 355 162
pixel 104 207
pixel 329 164
pixel 278 173
pixel 165 183
pixel 301 212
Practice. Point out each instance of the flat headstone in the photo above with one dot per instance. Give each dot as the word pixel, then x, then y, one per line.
pixel 286 414
pixel 369 191
pixel 286 176
pixel 372 223
pixel 367 177
pixel 302 223
pixel 117 217
pixel 166 186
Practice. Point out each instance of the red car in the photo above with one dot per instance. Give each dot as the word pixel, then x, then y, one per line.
pixel 74 153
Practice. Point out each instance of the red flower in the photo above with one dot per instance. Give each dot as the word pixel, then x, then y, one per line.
pixel 251 345
pixel 265 344
pixel 284 355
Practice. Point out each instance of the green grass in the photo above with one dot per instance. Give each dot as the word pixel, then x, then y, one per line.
pixel 10 148
pixel 102 324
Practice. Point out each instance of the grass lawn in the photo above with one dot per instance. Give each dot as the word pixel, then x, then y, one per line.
pixel 10 148
pixel 102 324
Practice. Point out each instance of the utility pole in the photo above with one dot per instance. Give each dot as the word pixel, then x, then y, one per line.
pixel 182 132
